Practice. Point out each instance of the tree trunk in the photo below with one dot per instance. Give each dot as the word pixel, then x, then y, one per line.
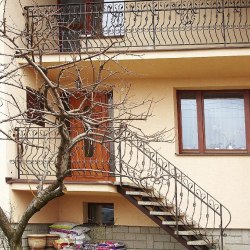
pixel 15 245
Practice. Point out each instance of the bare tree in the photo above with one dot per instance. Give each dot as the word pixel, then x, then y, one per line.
pixel 80 106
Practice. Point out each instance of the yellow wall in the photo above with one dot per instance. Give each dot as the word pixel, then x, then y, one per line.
pixel 21 199
pixel 125 213
pixel 73 208
pixel 225 177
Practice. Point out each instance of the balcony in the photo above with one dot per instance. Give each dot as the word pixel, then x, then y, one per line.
pixel 36 156
pixel 138 25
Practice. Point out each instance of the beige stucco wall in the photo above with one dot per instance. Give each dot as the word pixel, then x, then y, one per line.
pixel 73 208
pixel 125 213
pixel 225 177
pixel 14 16
pixel 21 199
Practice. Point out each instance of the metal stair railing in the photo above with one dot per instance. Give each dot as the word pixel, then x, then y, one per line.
pixel 134 161
pixel 148 169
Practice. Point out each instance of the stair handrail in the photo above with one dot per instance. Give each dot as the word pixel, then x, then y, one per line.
pixel 180 178
pixel 131 149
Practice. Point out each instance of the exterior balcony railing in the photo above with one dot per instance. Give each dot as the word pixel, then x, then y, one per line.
pixel 138 25
pixel 37 151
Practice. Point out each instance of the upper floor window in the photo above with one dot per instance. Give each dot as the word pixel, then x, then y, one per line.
pixel 79 19
pixel 81 15
pixel 214 121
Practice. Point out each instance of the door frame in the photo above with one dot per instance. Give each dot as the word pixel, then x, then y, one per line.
pixel 110 150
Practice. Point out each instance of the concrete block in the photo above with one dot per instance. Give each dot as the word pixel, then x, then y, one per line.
pixel 150 241
pixel 158 245
pixel 118 236
pixel 109 233
pixel 141 237
pixel 130 236
pixel 129 244
pixel 162 237
pixel 120 229
pixel 134 229
pixel 171 246
pixel 178 246
pixel 140 245
pixel 154 230
pixel 144 230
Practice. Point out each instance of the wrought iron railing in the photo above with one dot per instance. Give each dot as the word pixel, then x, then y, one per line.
pixel 147 168
pixel 37 149
pixel 138 25
pixel 132 159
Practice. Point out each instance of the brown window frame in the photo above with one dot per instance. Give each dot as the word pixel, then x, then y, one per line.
pixel 199 95
pixel 35 100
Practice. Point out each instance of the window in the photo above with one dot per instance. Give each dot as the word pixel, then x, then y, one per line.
pixel 214 121
pixel 35 103
pixel 81 19
pixel 101 213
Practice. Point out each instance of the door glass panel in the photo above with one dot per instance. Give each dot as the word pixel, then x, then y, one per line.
pixel 224 121
pixel 189 122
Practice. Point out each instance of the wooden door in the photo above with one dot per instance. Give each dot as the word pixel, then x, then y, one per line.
pixel 92 158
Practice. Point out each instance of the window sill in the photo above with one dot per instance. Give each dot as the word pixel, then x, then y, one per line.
pixel 214 154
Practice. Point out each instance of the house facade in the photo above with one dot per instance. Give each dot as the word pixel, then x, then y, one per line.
pixel 192 58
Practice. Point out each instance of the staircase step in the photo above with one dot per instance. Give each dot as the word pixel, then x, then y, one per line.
pixel 132 185
pixel 149 203
pixel 138 193
pixel 164 213
pixel 197 243
pixel 160 213
pixel 186 233
pixel 155 203
pixel 172 223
